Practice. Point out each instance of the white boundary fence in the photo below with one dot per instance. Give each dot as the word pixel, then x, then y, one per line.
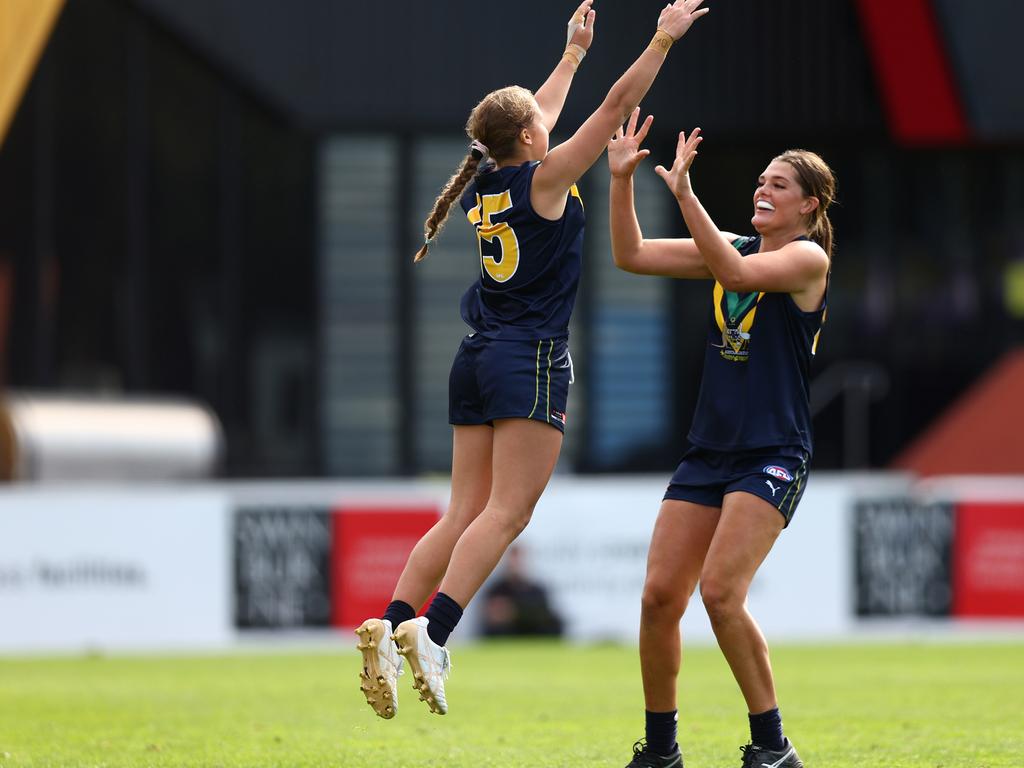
pixel 167 567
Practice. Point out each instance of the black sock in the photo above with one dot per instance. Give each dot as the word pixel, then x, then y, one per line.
pixel 443 614
pixel 766 730
pixel 398 612
pixel 661 731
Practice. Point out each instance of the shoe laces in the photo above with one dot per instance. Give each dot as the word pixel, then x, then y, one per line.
pixel 399 667
pixel 749 755
pixel 392 657
pixel 446 657
pixel 394 660
pixel 642 754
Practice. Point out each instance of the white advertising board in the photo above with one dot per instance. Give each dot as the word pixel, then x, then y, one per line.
pixel 118 569
pixel 152 567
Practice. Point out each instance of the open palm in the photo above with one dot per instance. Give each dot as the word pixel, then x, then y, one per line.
pixel 678 176
pixel 676 18
pixel 624 153
pixel 581 26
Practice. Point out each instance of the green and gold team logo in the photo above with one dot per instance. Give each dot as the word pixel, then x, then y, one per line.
pixel 734 313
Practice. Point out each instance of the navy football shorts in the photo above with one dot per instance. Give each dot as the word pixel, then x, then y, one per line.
pixel 493 379
pixel 778 475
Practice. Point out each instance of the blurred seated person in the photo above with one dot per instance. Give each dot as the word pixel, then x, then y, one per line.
pixel 515 605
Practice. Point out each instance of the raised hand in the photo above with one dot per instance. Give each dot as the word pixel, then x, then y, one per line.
pixel 679 16
pixel 624 153
pixel 581 26
pixel 678 176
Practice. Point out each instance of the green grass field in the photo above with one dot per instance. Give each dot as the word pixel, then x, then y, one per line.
pixel 513 705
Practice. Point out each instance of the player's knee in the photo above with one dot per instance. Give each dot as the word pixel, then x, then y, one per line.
pixel 660 602
pixel 459 517
pixel 721 599
pixel 513 519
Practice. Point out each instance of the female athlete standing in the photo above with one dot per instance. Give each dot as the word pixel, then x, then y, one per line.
pixel 739 485
pixel 509 382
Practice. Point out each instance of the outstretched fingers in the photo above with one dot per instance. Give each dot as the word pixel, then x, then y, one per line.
pixel 688 150
pixel 579 17
pixel 630 131
pixel 679 16
pixel 631 123
pixel 681 145
pixel 677 177
pixel 642 133
pixel 588 21
pixel 624 152
pixel 581 25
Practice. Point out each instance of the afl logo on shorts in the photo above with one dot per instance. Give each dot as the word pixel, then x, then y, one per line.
pixel 778 472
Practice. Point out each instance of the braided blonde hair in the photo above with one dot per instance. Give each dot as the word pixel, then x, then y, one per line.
pixel 495 122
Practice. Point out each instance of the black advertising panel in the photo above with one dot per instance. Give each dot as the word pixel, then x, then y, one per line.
pixel 902 557
pixel 282 566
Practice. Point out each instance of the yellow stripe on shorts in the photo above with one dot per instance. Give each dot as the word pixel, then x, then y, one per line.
pixel 536 386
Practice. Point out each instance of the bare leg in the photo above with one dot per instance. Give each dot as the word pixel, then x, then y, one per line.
pixel 746 532
pixel 471 486
pixel 679 542
pixel 524 457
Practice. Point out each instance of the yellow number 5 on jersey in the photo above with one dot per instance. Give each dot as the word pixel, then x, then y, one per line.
pixel 502 268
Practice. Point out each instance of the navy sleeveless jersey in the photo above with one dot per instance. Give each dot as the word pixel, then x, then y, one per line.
pixel 755 389
pixel 529 266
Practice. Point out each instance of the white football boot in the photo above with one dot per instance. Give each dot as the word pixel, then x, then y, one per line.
pixel 429 662
pixel 381 667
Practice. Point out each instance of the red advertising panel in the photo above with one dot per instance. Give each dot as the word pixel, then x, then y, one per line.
pixel 988 560
pixel 370 547
pixel 913 69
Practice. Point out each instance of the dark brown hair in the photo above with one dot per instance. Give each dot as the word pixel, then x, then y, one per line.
pixel 495 122
pixel 816 180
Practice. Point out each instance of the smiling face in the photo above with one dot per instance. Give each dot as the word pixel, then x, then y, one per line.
pixel 780 203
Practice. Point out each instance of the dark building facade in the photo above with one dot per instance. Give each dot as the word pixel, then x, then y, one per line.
pixel 221 200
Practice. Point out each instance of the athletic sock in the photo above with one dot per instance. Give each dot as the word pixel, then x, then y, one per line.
pixel 766 730
pixel 443 615
pixel 660 731
pixel 398 612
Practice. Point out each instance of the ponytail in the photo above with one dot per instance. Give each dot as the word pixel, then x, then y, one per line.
pixel 821 232
pixel 452 190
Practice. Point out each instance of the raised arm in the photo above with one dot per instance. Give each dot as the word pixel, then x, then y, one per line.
pixel 567 162
pixel 799 267
pixel 677 257
pixel 551 96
